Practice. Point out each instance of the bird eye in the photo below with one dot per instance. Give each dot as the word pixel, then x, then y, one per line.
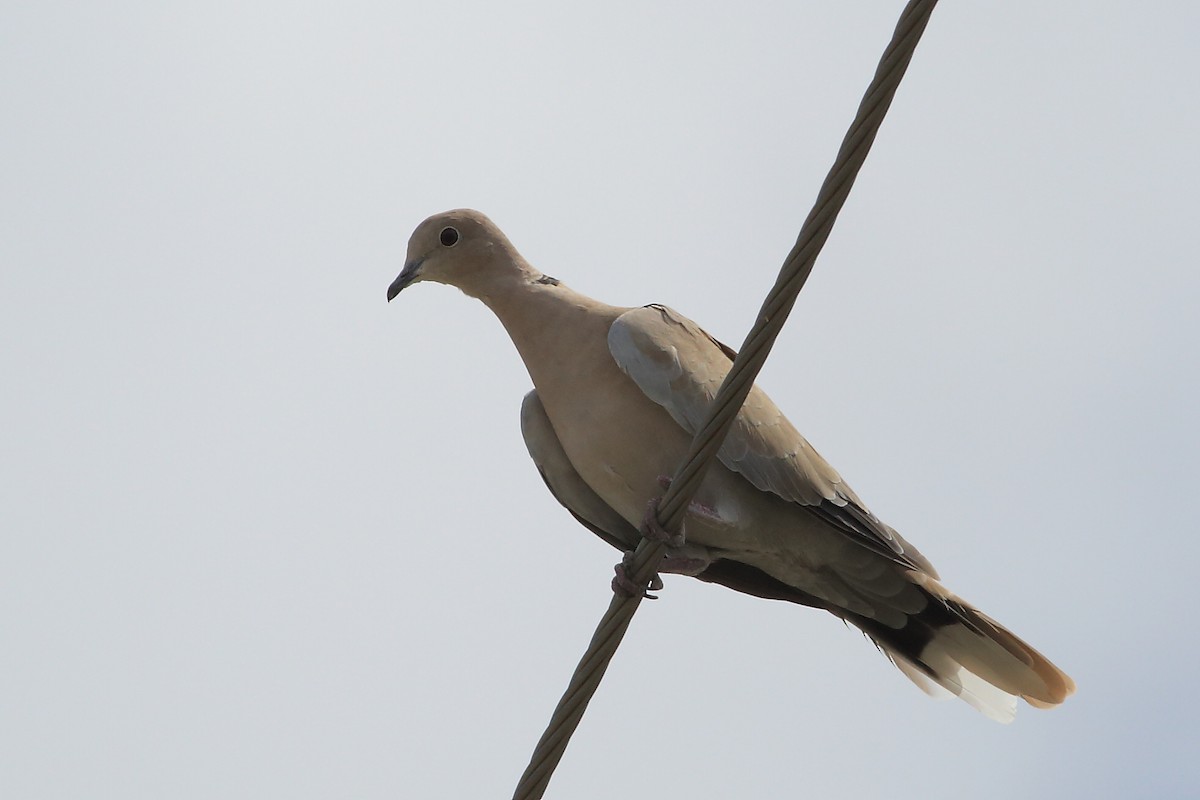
pixel 448 237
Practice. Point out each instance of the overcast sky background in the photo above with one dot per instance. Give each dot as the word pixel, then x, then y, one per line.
pixel 264 535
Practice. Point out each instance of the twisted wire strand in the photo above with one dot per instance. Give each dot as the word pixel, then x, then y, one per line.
pixel 753 354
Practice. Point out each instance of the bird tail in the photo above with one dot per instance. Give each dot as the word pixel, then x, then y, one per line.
pixel 953 647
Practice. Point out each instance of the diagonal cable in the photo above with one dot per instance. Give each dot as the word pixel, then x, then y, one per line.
pixel 771 317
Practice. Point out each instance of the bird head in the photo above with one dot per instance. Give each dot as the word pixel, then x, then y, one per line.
pixel 461 248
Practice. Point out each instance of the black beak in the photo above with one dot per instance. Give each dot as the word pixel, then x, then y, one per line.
pixel 406 276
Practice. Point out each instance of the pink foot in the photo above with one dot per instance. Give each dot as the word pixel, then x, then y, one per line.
pixel 623 583
pixel 657 533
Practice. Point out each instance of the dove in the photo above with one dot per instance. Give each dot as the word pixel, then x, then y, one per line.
pixel 618 395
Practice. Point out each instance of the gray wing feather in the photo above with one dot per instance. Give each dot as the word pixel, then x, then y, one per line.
pixel 680 367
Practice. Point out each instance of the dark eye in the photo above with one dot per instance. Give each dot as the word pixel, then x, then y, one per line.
pixel 448 237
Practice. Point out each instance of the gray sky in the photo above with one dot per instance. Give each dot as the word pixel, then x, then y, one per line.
pixel 266 536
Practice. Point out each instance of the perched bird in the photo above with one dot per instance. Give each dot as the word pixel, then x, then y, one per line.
pixel 618 395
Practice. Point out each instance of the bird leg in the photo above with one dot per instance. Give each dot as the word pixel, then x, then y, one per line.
pixel 623 582
pixel 655 532
pixel 695 507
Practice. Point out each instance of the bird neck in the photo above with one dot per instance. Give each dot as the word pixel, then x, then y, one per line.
pixel 536 310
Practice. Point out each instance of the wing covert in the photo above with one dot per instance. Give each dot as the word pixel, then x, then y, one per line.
pixel 680 367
